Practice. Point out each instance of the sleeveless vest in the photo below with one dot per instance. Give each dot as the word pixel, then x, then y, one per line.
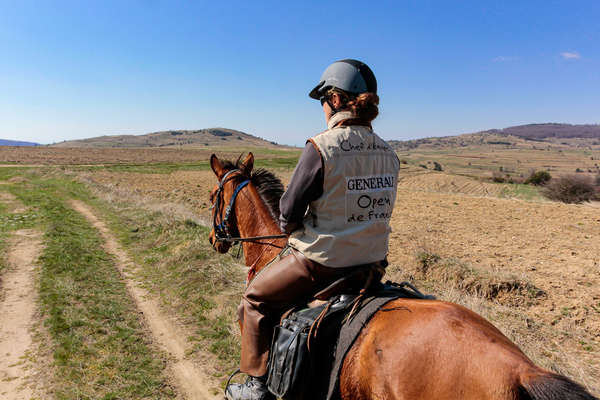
pixel 349 224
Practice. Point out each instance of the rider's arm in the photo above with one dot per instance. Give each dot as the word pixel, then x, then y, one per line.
pixel 305 186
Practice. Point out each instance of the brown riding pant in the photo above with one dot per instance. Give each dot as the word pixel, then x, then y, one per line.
pixel 273 291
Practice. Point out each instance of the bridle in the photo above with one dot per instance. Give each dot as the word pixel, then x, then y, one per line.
pixel 221 228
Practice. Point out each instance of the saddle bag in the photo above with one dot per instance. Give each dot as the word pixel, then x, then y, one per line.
pixel 299 364
pixel 289 361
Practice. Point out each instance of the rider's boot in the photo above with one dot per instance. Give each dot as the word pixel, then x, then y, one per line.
pixel 255 388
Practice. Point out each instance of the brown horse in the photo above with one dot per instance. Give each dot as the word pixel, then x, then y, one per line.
pixel 426 349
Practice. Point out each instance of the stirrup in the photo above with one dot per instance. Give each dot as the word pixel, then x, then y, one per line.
pixel 237 371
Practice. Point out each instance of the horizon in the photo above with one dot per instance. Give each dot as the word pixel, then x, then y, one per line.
pixel 80 70
pixel 291 145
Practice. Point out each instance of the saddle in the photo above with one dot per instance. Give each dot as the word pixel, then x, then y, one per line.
pixel 310 343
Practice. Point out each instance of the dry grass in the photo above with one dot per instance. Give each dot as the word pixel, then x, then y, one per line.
pixel 195 158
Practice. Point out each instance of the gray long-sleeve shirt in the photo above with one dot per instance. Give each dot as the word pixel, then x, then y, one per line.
pixel 305 186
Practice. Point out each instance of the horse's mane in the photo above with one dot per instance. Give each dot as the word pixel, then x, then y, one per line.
pixel 269 186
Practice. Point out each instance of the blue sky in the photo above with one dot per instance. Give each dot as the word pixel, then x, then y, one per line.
pixel 84 68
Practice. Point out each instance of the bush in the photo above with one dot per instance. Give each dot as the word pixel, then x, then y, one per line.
pixel 571 189
pixel 538 178
pixel 498 177
pixel 437 166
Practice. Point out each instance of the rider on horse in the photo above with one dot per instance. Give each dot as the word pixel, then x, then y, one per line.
pixel 336 209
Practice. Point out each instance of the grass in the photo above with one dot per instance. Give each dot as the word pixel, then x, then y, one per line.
pixel 279 161
pixel 154 168
pixel 3 239
pixel 505 288
pixel 521 191
pixel 193 282
pixel 99 348
pixel 8 221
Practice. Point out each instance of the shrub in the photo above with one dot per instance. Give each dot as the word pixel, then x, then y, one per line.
pixel 497 177
pixel 538 178
pixel 571 189
pixel 579 170
pixel 437 166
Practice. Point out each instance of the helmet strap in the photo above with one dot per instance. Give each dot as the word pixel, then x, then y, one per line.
pixel 333 109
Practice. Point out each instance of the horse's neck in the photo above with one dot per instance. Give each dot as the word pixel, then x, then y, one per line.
pixel 254 219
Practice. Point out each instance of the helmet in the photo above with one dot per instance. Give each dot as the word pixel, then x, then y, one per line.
pixel 349 75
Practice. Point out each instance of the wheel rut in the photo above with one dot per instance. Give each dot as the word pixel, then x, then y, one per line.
pixel 190 380
pixel 17 312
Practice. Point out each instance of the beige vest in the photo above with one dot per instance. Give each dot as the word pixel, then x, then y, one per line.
pixel 350 223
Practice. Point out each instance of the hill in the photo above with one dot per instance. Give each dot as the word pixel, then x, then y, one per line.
pixel 176 138
pixel 4 142
pixel 543 131
pixel 522 136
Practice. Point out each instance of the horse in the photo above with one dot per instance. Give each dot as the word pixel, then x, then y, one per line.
pixel 425 349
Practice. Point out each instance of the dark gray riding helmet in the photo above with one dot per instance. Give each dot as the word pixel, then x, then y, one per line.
pixel 349 75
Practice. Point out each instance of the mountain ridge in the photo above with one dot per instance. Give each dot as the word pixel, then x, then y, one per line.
pixel 6 142
pixel 557 134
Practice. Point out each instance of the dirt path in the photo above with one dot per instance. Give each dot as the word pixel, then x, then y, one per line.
pixel 17 310
pixel 190 379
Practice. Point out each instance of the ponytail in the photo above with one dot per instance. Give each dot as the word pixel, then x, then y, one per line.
pixel 364 105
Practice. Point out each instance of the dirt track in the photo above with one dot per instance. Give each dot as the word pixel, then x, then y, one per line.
pixel 17 310
pixel 190 380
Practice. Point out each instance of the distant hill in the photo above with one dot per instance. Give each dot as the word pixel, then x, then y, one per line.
pixel 169 139
pixel 558 135
pixel 4 142
pixel 543 131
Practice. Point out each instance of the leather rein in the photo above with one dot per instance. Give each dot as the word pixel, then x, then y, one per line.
pixel 221 229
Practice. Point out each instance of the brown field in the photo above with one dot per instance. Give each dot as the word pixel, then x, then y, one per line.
pixel 483 161
pixel 532 266
pixel 93 156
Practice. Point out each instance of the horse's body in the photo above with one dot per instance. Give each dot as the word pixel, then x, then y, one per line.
pixel 424 349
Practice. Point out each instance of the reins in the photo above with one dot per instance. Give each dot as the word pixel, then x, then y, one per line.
pixel 221 229
pixel 252 238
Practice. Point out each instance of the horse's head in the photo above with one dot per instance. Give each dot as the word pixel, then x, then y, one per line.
pixel 232 178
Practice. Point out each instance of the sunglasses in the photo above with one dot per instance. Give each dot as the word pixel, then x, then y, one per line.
pixel 323 99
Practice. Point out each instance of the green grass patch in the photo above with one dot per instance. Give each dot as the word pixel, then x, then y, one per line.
pixel 280 162
pixel 146 168
pixel 521 191
pixel 99 347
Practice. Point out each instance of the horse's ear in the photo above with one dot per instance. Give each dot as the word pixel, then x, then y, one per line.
pixel 216 165
pixel 248 163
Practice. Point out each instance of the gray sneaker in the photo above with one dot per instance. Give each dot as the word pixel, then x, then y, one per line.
pixel 254 389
